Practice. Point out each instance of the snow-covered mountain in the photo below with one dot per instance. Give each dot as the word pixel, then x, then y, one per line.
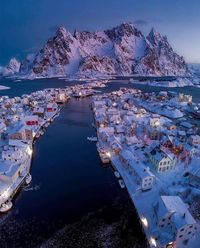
pixel 123 50
pixel 12 68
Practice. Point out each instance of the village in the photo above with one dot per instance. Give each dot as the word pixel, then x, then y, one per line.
pixel 150 140
pixel 153 147
pixel 23 120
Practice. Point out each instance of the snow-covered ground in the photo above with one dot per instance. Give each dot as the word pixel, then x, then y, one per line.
pixel 179 82
pixel 2 87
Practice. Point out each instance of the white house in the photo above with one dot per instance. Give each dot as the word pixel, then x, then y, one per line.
pixel 172 214
pixel 142 174
pixel 161 160
pixel 13 155
pixel 185 98
pixel 10 172
pixel 194 140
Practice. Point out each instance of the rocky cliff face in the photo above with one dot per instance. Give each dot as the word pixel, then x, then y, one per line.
pixel 12 68
pixel 123 50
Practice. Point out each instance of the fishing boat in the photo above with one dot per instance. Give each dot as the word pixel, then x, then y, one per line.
pixel 6 206
pixel 28 178
pixel 37 135
pixel 46 124
pixel 121 183
pixel 117 175
pixel 41 132
pixel 92 138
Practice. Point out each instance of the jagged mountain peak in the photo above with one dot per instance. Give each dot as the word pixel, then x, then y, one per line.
pixel 121 50
pixel 62 32
pixel 14 64
pixel 12 67
pixel 124 29
pixel 154 37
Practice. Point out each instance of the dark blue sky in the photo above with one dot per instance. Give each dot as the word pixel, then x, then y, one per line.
pixel 26 24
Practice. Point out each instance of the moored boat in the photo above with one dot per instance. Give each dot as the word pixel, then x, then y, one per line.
pixel 121 183
pixel 6 206
pixel 117 175
pixel 28 178
pixel 92 138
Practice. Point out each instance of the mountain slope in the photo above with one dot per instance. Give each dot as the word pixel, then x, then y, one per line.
pixel 123 50
pixel 12 68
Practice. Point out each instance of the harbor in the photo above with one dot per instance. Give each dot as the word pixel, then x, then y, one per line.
pixel 76 111
pixel 59 179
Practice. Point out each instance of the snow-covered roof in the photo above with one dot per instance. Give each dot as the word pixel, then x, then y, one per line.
pixel 181 214
pixel 109 130
pixel 139 168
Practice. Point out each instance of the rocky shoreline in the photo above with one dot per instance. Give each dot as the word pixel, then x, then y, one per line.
pixel 110 227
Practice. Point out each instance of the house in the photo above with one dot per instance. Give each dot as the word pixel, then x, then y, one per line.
pixel 2 128
pixel 24 133
pixel 182 135
pixel 52 107
pixel 194 140
pixel 10 172
pixel 152 132
pixel 144 178
pixel 112 111
pixel 12 155
pixel 194 178
pixel 101 120
pixel 105 133
pixel 61 97
pixel 39 111
pixel 173 216
pixel 115 119
pixel 31 120
pixel 161 161
pixel 184 98
pixel 98 104
pixel 192 151
pixel 177 146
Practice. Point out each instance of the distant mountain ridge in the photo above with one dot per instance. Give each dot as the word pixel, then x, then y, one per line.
pixel 12 68
pixel 122 50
